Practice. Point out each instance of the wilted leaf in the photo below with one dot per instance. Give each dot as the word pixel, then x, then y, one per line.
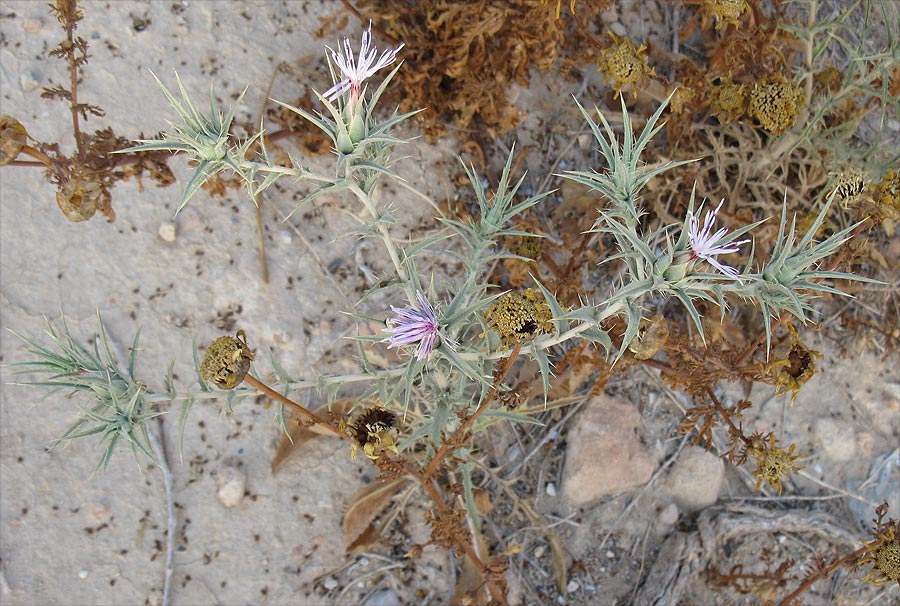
pixel 366 505
pixel 300 434
pixel 559 562
pixel 470 581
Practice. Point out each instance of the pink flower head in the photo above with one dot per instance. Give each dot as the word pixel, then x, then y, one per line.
pixel 356 71
pixel 415 324
pixel 703 245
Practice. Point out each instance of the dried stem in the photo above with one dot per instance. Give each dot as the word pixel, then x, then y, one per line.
pixel 314 418
pixel 820 574
pixel 453 440
pixel 158 446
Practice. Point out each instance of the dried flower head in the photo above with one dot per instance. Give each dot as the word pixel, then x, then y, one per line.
pixel 889 190
pixel 827 80
pixel 849 185
pixel 773 464
pixel 13 137
pixel 883 552
pixel 706 246
pixel 623 64
pixel 355 71
pixel 227 361
pixel 728 101
pixel 520 317
pixel 725 11
pixel 80 197
pixel 776 103
pixel 653 334
pixel 681 96
pixel 374 431
pixel 416 324
pixel 531 247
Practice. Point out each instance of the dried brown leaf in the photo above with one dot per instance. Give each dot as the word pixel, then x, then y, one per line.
pixel 366 505
pixel 299 434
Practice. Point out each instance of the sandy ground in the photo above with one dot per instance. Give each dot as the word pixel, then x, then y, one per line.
pixel 72 537
pixel 68 536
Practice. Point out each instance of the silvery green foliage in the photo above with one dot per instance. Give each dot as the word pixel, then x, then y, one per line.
pixel 117 408
pixel 659 264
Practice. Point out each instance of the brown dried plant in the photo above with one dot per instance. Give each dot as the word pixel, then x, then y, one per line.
pixel 470 55
pixel 84 178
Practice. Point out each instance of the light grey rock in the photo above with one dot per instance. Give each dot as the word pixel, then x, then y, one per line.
pixel 695 479
pixel 231 482
pixel 604 453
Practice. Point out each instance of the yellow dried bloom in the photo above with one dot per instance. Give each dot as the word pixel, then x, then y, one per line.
pixel 517 317
pixel 883 552
pixel 796 368
pixel 776 103
pixel 725 11
pixel 374 432
pixel 623 64
pixel 79 198
pixel 728 101
pixel 827 80
pixel 773 464
pixel 889 190
pixel 13 137
pixel 680 98
pixel 531 247
pixel 849 185
pixel 227 361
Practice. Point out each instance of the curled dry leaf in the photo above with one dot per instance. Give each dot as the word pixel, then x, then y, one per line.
pixel 299 434
pixel 367 504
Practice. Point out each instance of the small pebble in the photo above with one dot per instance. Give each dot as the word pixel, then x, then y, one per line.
pixel 28 81
pixel 232 483
pixel 573 586
pixel 610 554
pixel 83 574
pixel 167 232
pixel 286 237
pixel 539 551
pixel 32 25
pixel 551 489
pixel 330 583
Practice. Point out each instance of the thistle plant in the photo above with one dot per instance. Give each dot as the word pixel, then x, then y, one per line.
pixel 458 338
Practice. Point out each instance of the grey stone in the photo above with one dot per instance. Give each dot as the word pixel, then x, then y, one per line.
pixel 604 453
pixel 231 482
pixel 695 479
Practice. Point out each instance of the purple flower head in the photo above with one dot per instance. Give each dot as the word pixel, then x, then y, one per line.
pixel 703 245
pixel 415 325
pixel 356 71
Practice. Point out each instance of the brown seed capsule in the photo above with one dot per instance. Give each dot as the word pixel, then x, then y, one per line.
pixel 374 432
pixel 227 361
pixel 13 138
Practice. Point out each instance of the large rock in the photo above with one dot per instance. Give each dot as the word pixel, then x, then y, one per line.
pixel 604 453
pixel 696 479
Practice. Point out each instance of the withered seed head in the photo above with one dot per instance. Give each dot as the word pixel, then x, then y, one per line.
pixel 374 431
pixel 774 464
pixel 776 102
pixel 13 137
pixel 519 317
pixel 623 64
pixel 227 361
pixel 883 551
